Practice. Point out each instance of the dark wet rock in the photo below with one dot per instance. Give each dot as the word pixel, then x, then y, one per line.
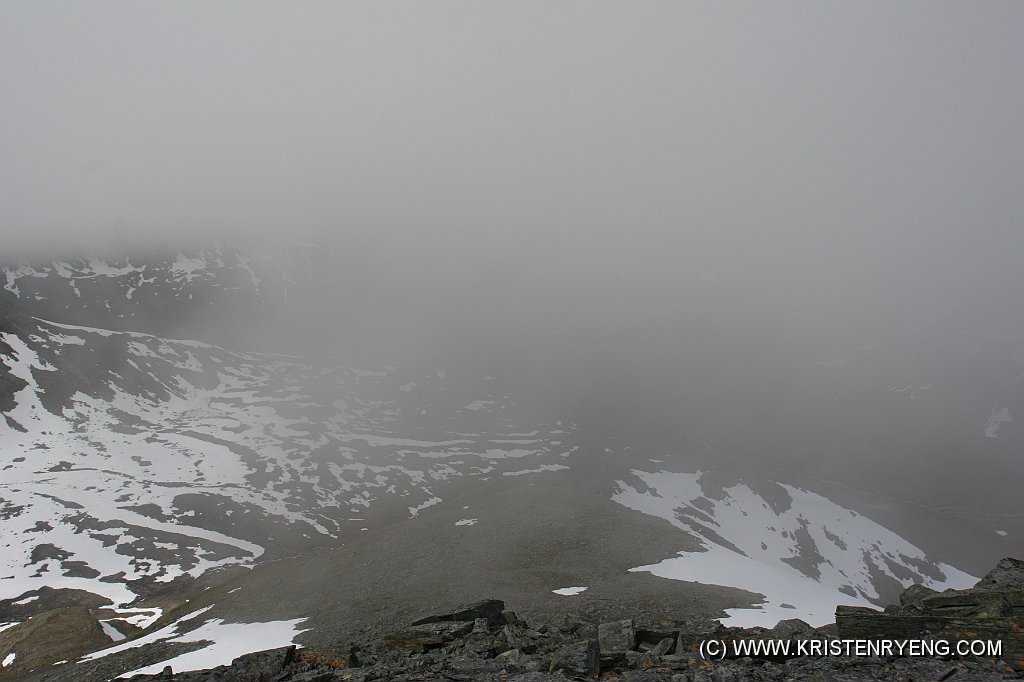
pixel 263 665
pixel 489 609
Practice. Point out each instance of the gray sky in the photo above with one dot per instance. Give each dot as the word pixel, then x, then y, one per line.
pixel 797 127
pixel 797 153
pixel 674 209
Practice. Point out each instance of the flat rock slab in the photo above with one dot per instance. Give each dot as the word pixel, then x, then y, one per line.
pixel 488 609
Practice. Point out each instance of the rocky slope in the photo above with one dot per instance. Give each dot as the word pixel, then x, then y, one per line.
pixel 484 641
pixel 158 482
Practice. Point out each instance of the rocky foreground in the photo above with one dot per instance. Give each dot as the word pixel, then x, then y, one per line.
pixel 484 641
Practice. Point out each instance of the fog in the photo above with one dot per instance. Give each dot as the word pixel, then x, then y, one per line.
pixel 670 210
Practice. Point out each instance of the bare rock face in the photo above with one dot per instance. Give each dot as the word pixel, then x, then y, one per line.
pixel 993 610
pixel 1007 575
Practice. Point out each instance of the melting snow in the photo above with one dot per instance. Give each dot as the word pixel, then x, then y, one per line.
pixel 187 267
pixel 110 631
pixel 996 417
pixel 569 591
pixel 750 545
pixel 413 511
pixel 466 522
pixel 230 640
pixel 211 424
pixel 541 469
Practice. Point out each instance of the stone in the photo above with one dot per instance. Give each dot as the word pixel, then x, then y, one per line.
pixel 517 638
pixel 262 665
pixel 653 635
pixel 663 647
pixel 1008 574
pixel 513 658
pixel 790 628
pixel 617 636
pixel 423 638
pixel 579 658
pixel 584 624
pixel 912 597
pixel 489 609
pixel 994 609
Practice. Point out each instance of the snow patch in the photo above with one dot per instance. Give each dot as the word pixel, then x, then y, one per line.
pixel 809 552
pixel 413 511
pixel 110 631
pixel 995 418
pixel 538 470
pixel 230 640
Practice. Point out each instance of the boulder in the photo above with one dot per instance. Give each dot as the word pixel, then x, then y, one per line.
pixel 663 647
pixel 488 609
pixel 911 598
pixel 261 665
pixel 581 658
pixel 618 635
pixel 1008 574
pixel 791 628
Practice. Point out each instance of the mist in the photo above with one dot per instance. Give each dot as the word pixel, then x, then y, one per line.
pixel 669 212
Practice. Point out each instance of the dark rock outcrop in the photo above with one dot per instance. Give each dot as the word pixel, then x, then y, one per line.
pixel 489 609
pixel 991 610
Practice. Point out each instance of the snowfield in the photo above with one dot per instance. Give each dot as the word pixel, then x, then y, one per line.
pixel 130 457
pixel 800 550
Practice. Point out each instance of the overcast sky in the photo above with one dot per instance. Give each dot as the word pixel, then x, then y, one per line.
pixel 859 149
pixel 660 210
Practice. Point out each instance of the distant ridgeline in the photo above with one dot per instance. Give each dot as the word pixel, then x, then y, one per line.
pixel 222 295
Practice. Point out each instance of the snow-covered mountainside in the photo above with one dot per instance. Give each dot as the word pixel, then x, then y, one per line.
pixel 801 550
pixel 128 457
pixel 132 462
